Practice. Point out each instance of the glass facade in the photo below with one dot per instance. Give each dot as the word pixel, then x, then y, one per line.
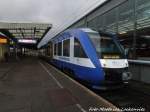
pixel 110 23
pixel 143 28
pixel 93 23
pixel 131 22
pixel 143 13
pixel 126 25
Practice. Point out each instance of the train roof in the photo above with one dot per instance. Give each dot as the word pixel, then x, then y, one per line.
pixel 88 30
pixel 77 33
pixel 72 32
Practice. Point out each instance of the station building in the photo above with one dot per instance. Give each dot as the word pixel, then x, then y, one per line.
pixel 129 19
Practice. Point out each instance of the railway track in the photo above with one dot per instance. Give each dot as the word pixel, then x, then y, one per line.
pixel 127 98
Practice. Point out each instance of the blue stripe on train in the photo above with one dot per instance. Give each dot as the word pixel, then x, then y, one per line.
pixel 91 75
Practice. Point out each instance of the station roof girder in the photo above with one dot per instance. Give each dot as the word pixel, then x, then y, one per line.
pixel 16 31
pixel 25 30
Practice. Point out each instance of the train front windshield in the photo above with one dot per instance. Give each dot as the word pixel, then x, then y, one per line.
pixel 106 47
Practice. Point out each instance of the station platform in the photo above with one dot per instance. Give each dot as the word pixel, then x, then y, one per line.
pixel 5 67
pixel 32 85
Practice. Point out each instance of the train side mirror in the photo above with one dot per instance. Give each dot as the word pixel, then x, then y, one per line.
pixel 126 50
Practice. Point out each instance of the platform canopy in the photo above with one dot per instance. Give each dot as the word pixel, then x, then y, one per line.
pixel 25 32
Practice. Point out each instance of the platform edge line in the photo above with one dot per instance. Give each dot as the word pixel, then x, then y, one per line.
pixel 58 83
pixel 86 89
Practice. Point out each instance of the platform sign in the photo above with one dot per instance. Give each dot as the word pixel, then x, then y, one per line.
pixel 27 41
pixel 3 41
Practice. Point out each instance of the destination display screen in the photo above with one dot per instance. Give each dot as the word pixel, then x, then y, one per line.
pixel 111 56
pixel 27 41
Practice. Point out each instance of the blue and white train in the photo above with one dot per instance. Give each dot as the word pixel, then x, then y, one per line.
pixel 96 58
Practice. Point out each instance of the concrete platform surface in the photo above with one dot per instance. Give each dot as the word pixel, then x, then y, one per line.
pixel 5 68
pixel 33 85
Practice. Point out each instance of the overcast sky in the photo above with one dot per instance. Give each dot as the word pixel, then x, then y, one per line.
pixel 60 13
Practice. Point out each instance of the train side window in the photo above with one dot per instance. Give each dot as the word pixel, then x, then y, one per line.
pixel 66 47
pixel 55 49
pixel 59 48
pixel 78 50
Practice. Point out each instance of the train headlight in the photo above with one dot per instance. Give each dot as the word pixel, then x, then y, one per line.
pixel 126 63
pixel 126 76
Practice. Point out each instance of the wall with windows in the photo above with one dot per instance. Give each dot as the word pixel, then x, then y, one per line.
pixel 129 19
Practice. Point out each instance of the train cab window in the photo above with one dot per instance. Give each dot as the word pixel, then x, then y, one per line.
pixel 59 48
pixel 106 46
pixel 66 47
pixel 78 50
pixel 55 49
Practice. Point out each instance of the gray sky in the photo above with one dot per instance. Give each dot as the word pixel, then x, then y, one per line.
pixel 60 13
